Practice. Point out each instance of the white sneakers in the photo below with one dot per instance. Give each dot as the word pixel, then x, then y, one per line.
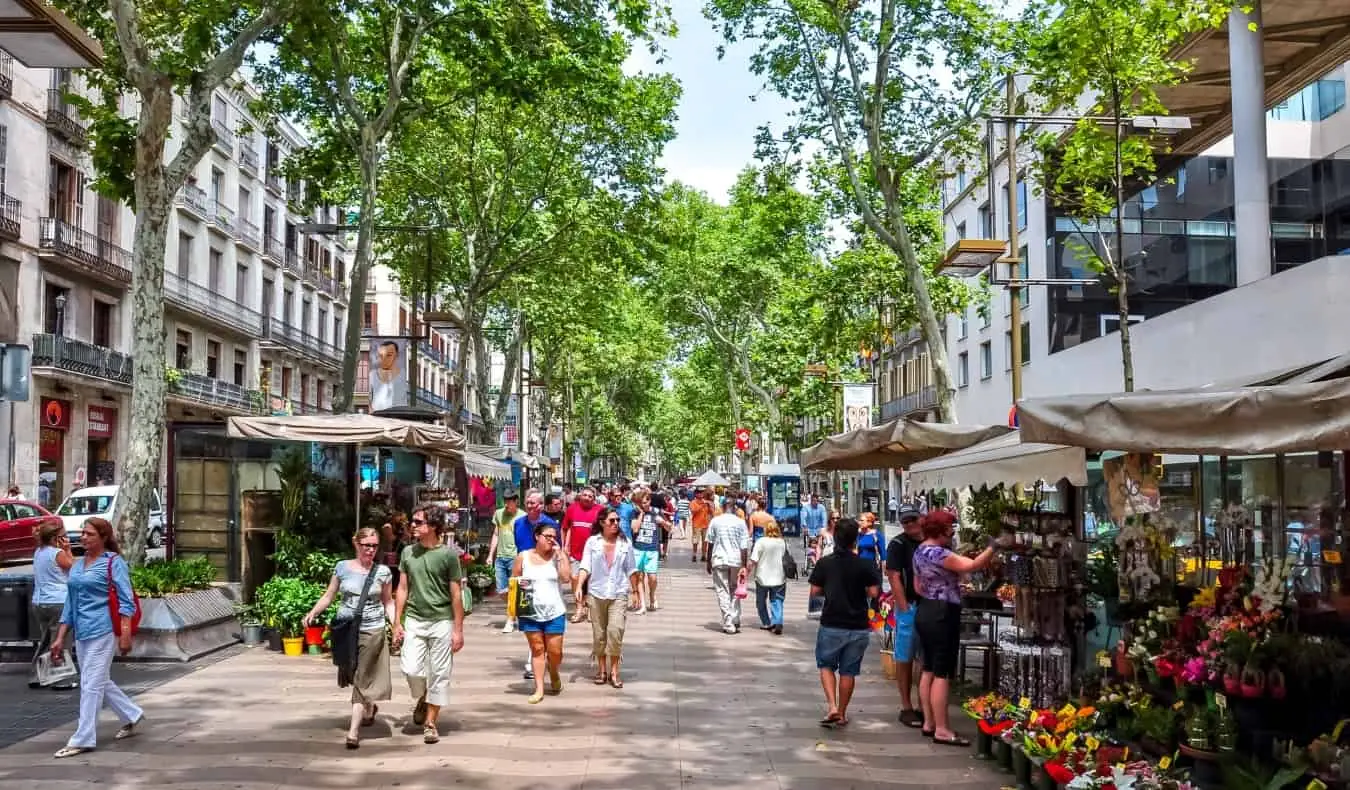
pixel 510 627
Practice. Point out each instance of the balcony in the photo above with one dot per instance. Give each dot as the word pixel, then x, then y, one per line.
pixel 249 235
pixel 429 351
pixel 426 397
pixel 273 250
pixel 205 390
pixel 224 136
pixel 203 302
pixel 273 181
pixel 907 405
pixel 11 214
pixel 292 261
pixel 310 273
pixel 330 286
pixel 6 75
pixel 221 217
pixel 193 199
pixel 63 119
pixel 279 334
pixel 248 157
pixel 84 359
pixel 61 242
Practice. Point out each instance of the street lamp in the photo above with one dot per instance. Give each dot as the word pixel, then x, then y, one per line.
pixel 60 302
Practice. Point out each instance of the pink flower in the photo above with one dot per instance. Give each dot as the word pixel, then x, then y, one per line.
pixel 1194 671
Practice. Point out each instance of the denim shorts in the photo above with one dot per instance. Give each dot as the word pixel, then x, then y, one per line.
pixel 502 568
pixel 550 627
pixel 841 650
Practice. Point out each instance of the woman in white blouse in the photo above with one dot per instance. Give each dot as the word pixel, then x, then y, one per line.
pixel 608 564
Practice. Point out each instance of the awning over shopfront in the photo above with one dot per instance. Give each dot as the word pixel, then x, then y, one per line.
pixel 894 444
pixel 348 429
pixel 500 453
pixel 1281 419
pixel 478 465
pixel 1004 459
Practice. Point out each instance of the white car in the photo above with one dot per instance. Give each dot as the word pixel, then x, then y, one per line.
pixel 101 501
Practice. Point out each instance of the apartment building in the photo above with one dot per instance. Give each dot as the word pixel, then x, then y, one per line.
pixel 253 307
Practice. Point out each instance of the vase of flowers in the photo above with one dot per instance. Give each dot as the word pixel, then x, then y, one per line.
pixel 1253 681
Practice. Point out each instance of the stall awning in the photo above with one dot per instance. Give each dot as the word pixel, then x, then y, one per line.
pixel 364 429
pixel 478 465
pixel 1285 418
pixel 1004 459
pixel 894 444
pixel 501 453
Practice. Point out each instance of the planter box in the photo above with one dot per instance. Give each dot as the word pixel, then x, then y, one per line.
pixel 186 626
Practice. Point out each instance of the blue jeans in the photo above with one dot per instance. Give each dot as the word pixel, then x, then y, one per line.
pixel 503 568
pixel 841 650
pixel 769 603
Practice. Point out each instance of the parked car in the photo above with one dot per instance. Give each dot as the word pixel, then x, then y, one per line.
pixel 19 524
pixel 101 501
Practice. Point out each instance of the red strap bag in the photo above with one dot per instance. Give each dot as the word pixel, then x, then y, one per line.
pixel 115 607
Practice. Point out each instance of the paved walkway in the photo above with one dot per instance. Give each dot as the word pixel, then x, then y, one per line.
pixel 701 709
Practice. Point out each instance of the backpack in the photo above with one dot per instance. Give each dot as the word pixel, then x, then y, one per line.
pixel 789 565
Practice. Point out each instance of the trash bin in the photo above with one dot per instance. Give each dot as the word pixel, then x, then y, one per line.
pixel 15 593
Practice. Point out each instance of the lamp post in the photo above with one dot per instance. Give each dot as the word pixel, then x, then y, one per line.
pixel 60 302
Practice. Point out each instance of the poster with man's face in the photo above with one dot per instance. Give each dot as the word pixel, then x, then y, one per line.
pixel 857 406
pixel 388 373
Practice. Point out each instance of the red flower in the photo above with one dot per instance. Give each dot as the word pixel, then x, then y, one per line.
pixel 1059 773
pixel 990 728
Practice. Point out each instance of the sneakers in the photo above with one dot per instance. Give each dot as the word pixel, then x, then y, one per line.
pixel 430 735
pixel 510 627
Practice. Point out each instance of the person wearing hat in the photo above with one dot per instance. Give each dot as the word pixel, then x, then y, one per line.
pixel 905 601
pixel 502 550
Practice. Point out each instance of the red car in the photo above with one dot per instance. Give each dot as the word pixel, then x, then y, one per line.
pixel 19 523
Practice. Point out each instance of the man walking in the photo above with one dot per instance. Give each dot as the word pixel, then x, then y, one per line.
pixel 727 554
pixel 813 519
pixel 700 515
pixel 905 600
pixel 502 550
pixel 430 615
pixel 847 582
pixel 647 526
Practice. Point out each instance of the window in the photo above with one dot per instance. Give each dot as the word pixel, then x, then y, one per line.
pixel 107 219
pixel 1023 273
pixel 369 314
pixel 214 275
pixel 213 359
pixel 337 329
pixel 241 284
pixel 306 310
pixel 240 365
pixel 320 393
pixel 285 382
pixel 220 111
pixel 265 376
pixel 183 350
pixel 963 326
pixel 245 204
pixel 57 303
pixel 4 152
pixel 322 331
pixel 268 306
pixel 288 305
pixel 304 388
pixel 986 360
pixel 403 320
pixel 65 193
pixel 217 186
pixel 269 224
pixel 1026 345
pixel 986 225
pixel 960 230
pixel 184 255
pixel 963 369
pixel 103 324
pixel 1021 204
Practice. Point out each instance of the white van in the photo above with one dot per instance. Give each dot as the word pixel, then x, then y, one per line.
pixel 101 501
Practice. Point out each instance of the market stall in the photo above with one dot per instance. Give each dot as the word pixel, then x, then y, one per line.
pixel 893 444
pixel 1004 459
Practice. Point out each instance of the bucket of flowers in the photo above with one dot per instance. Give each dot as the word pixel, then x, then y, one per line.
pixel 1140 775
pixel 993 717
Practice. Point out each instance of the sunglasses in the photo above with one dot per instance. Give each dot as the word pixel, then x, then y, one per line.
pixel 419 521
pixel 371 546
pixel 548 536
pixel 612 520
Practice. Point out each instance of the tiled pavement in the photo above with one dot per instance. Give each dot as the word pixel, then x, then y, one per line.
pixel 701 709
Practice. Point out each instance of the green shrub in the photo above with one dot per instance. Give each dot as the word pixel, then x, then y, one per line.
pixel 161 578
pixel 283 602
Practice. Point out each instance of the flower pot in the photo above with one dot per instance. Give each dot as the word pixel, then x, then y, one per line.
pixel 273 639
pixel 293 645
pixel 1003 754
pixel 314 650
pixel 1021 766
pixel 984 746
pixel 1042 780
pixel 252 633
pixel 888 665
pixel 1275 684
pixel 314 635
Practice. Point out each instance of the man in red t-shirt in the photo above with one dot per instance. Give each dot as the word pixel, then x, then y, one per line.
pixel 576 530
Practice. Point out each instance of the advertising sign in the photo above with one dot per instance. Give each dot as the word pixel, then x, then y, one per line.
pixel 857 406
pixel 102 422
pixel 388 373
pixel 742 439
pixel 55 414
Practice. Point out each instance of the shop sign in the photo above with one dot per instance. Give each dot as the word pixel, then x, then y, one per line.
pixel 102 422
pixel 55 414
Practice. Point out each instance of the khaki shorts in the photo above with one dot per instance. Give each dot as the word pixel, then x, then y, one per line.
pixel 698 536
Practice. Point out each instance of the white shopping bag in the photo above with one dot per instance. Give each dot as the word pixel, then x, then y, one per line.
pixel 51 672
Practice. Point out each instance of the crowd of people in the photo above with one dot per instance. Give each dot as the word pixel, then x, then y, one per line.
pixel 403 594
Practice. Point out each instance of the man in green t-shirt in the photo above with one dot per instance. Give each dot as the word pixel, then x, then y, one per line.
pixel 430 613
pixel 502 551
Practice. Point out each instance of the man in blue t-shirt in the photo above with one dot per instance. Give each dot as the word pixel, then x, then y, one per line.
pixel 626 512
pixel 524 534
pixel 813 518
pixel 647 526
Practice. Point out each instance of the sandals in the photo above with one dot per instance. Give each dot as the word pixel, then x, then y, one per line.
pixel 71 751
pixel 831 721
pixel 430 734
pixel 535 698
pixel 128 730
pixel 955 740
pixel 616 683
pixel 600 679
pixel 911 718
pixel 353 743
pixel 368 720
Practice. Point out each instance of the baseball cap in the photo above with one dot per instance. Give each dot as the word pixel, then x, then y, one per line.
pixel 510 493
pixel 908 512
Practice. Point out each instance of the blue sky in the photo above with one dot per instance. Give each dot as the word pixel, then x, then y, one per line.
pixel 715 132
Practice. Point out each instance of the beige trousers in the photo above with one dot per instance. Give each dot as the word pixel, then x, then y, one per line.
pixel 608 618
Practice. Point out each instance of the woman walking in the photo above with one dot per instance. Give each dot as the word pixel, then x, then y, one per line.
pixel 766 568
pixel 367 596
pixel 51 564
pixel 540 572
pixel 100 629
pixel 937 579
pixel 608 566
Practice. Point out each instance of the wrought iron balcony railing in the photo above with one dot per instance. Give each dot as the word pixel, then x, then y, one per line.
pixel 282 333
pixel 214 392
pixel 84 249
pixel 203 301
pixel 248 157
pixel 222 216
pixel 64 119
pixel 273 249
pixel 224 135
pixel 11 215
pixel 273 181
pixel 292 261
pixel 193 198
pixel 6 75
pixel 250 235
pixel 77 356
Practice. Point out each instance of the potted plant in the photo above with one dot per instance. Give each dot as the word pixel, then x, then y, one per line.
pixel 250 623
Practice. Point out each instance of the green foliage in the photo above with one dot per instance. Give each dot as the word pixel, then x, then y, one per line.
pixel 283 601
pixel 160 578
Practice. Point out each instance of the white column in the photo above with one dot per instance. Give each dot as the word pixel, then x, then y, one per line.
pixel 1251 173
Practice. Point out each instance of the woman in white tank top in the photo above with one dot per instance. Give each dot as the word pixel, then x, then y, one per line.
pixel 540 575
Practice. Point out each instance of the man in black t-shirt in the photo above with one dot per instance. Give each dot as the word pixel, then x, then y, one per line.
pixel 900 573
pixel 848 584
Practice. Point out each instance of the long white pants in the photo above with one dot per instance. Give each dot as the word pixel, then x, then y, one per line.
pixel 427 658
pixel 96 657
pixel 724 582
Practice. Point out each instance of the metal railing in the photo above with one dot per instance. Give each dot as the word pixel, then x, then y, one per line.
pixel 273 249
pixel 63 118
pixel 222 216
pixel 282 333
pixel 202 300
pixel 310 273
pixel 429 351
pixel 291 263
pixel 194 199
pixel 11 213
pixel 224 135
pixel 77 356
pixel 905 405
pixel 214 392
pixel 426 397
pixel 248 157
pixel 250 234
pixel 6 75
pixel 82 247
pixel 273 181
pixel 328 285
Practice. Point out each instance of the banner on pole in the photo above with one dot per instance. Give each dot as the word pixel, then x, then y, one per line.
pixel 857 406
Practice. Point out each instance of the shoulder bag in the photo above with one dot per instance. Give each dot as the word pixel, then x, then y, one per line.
pixel 345 634
pixel 115 606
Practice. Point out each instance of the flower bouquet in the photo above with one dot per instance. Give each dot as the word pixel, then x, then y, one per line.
pixel 1132 776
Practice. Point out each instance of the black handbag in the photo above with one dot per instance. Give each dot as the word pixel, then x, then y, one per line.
pixel 345 635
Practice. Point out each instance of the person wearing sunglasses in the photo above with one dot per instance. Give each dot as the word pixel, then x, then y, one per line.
pixel 609 571
pixel 430 613
pixel 370 681
pixel 541 612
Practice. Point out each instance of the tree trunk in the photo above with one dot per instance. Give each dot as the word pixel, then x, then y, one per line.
pixel 356 300
pixel 1123 274
pixel 154 201
pixel 1126 350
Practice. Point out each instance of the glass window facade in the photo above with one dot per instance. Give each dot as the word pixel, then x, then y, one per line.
pixel 1317 102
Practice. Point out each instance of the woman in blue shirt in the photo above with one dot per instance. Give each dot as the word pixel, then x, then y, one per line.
pixel 51 563
pixel 869 540
pixel 88 614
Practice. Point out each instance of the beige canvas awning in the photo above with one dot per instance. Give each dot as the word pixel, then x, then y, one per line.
pixel 1004 459
pixel 500 453
pixel 1285 418
pixel 895 444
